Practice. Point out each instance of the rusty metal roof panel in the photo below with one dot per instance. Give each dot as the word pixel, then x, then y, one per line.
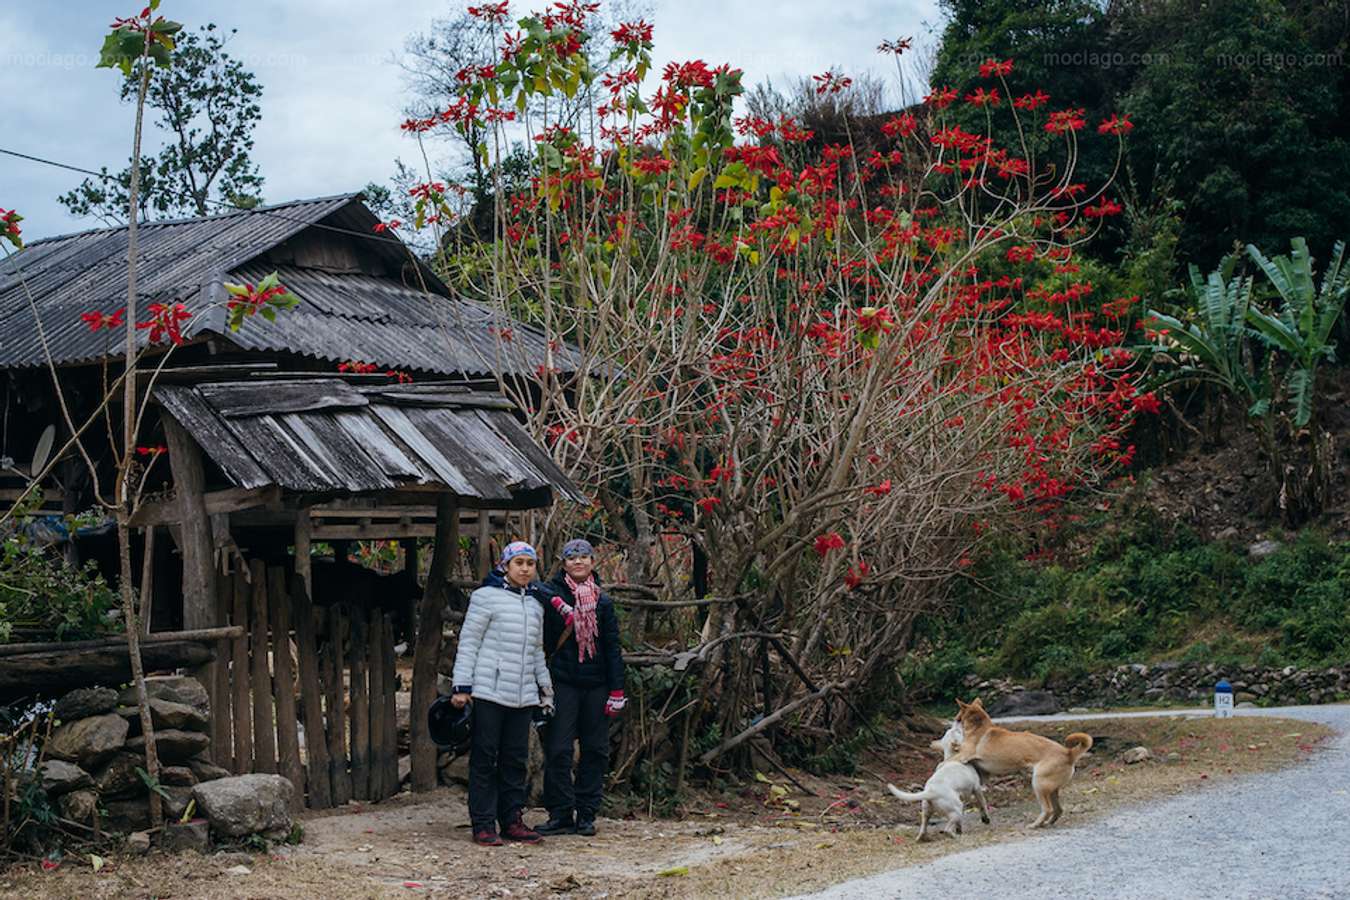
pixel 326 436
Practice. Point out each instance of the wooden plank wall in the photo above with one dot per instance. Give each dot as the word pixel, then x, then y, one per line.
pixel 308 691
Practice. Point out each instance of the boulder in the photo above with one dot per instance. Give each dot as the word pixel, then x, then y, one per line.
pixel 78 806
pixel 138 844
pixel 176 803
pixel 167 714
pixel 82 703
pixel 246 804
pixel 206 771
pixel 1136 755
pixel 1262 549
pixel 62 777
pixel 127 815
pixel 173 745
pixel 194 834
pixel 1026 703
pixel 119 778
pixel 178 775
pixel 174 688
pixel 88 741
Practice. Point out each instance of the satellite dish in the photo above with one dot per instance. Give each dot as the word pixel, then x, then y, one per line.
pixel 44 450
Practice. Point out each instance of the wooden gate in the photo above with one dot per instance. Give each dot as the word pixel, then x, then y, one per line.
pixel 307 691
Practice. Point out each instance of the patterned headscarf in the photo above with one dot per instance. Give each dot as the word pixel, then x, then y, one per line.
pixel 514 549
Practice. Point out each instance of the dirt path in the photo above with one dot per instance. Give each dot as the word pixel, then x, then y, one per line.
pixel 762 839
pixel 1278 835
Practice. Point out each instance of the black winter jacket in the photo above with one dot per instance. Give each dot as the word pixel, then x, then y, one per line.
pixel 606 666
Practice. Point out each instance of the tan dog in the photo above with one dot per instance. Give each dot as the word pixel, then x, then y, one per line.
pixel 997 751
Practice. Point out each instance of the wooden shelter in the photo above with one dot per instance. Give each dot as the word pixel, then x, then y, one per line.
pixel 271 451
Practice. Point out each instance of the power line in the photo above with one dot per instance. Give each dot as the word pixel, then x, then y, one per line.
pixel 105 176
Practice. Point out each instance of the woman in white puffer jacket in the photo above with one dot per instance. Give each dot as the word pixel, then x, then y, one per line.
pixel 500 668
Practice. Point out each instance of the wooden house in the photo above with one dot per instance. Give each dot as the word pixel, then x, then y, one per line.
pixel 277 442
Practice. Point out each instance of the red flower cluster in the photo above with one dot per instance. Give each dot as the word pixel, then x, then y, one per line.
pixel 831 82
pixel 897 46
pixel 166 321
pixel 97 320
pixel 496 13
pixel 830 540
pixel 9 226
pixel 632 33
pixel 1116 125
pixel 357 368
pixel 156 450
pixel 992 68
pixel 1065 120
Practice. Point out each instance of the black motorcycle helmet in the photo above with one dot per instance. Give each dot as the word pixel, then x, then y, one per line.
pixel 449 727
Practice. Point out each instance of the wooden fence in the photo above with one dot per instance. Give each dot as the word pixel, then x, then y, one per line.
pixel 306 691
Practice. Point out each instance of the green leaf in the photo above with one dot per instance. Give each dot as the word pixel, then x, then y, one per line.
pixel 697 178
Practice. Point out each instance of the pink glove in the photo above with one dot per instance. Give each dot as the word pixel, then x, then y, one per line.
pixel 563 610
pixel 615 704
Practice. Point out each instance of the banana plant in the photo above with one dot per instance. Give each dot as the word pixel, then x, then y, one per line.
pixel 1303 325
pixel 1212 347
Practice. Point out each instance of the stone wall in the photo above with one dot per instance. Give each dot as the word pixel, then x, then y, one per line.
pixel 1135 684
pixel 93 753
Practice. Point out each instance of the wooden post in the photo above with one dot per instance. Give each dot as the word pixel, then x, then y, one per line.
pixel 185 460
pixel 304 526
pixel 335 717
pixel 288 738
pixel 360 708
pixel 264 733
pixel 378 748
pixel 148 587
pixel 243 709
pixel 222 713
pixel 484 546
pixel 427 651
pixel 390 759
pixel 316 751
pixel 195 542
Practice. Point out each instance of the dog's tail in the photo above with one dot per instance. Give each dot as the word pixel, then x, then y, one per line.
pixel 911 796
pixel 1078 744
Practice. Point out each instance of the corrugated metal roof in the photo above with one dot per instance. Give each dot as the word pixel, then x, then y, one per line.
pixel 342 316
pixel 321 435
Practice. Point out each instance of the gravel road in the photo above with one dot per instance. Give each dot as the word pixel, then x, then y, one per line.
pixel 1276 835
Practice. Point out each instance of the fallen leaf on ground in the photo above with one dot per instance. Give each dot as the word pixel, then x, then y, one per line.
pixel 671 873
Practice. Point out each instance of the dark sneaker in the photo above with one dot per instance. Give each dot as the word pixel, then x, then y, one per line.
pixel 585 824
pixel 558 824
pixel 486 837
pixel 521 833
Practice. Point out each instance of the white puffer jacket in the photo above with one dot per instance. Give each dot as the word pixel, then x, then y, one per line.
pixel 501 649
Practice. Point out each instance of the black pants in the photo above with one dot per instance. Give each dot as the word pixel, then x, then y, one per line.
pixel 499 751
pixel 579 713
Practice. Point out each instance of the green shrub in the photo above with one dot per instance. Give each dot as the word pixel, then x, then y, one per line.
pixel 1143 590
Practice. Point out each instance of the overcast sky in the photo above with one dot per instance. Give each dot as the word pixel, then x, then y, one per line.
pixel 332 90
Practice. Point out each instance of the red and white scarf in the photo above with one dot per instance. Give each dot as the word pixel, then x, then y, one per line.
pixel 587 595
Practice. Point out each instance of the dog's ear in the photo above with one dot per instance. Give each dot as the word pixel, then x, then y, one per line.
pixel 960 705
pixel 977 702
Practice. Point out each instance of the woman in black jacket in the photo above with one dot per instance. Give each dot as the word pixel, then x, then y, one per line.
pixel 581 636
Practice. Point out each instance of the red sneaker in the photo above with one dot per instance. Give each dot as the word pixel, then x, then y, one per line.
pixel 487 837
pixel 520 832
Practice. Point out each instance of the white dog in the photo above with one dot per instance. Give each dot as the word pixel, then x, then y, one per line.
pixel 948 788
